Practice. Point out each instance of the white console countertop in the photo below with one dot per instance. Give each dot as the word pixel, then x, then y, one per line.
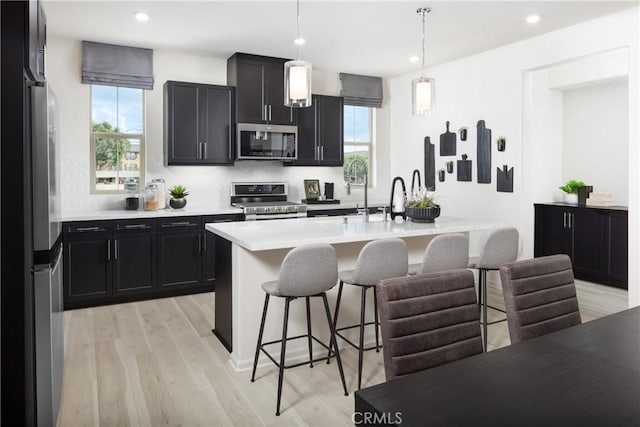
pixel 108 214
pixel 289 233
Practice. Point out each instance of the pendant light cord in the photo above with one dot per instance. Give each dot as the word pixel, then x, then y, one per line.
pixel 423 13
pixel 298 39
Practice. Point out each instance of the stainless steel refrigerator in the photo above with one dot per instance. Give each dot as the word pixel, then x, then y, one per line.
pixel 47 247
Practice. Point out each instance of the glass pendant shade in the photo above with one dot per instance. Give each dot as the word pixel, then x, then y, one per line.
pixel 297 83
pixel 423 96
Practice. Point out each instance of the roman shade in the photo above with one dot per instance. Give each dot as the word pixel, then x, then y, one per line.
pixel 113 65
pixel 364 91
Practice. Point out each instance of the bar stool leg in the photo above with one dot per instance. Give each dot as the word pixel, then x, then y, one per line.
pixel 375 312
pixel 484 308
pixel 264 317
pixel 363 306
pixel 334 342
pixel 309 333
pixel 282 351
pixel 335 317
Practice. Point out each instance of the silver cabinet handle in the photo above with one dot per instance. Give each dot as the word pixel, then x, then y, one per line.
pixel 87 229
pixel 322 152
pixel 269 112
pixel 204 146
pixel 570 220
pixel 178 224
pixel 134 226
pixel 108 250
pixel 264 112
pixel 116 249
pixel 564 220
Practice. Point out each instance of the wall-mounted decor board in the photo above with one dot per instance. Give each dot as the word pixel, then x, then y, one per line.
pixel 484 153
pixel 464 169
pixel 505 179
pixel 448 143
pixel 429 164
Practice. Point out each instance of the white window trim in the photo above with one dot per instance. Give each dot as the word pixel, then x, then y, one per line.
pixel 93 136
pixel 372 155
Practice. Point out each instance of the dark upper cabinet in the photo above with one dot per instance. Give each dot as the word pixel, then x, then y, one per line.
pixel 37 40
pixel 321 132
pixel 259 83
pixel 594 238
pixel 198 124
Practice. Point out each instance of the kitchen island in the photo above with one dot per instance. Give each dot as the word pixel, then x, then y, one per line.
pixel 254 250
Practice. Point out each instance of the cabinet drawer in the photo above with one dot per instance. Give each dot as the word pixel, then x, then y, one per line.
pixel 134 225
pixel 86 227
pixel 180 223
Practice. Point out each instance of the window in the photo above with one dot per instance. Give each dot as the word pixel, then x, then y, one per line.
pixel 117 138
pixel 358 142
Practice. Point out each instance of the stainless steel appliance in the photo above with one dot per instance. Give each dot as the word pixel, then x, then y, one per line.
pixel 267 142
pixel 47 247
pixel 265 200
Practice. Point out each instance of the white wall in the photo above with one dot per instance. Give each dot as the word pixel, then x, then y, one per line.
pixel 596 138
pixel 497 86
pixel 208 185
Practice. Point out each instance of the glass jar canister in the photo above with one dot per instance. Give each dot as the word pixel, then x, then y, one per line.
pixel 151 197
pixel 162 192
pixel 132 199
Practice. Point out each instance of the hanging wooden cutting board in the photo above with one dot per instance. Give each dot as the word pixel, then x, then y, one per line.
pixel 464 169
pixel 484 153
pixel 429 165
pixel 448 143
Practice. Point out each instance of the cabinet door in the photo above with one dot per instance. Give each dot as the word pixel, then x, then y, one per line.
pixel 552 235
pixel 87 269
pixel 278 113
pixel 618 245
pixel 330 130
pixel 250 93
pixel 179 259
pixel 308 154
pixel 134 268
pixel 217 116
pixel 182 143
pixel 208 258
pixel 587 229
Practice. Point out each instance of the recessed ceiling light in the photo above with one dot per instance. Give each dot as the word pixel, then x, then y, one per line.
pixel 533 19
pixel 299 41
pixel 141 16
pixel 414 58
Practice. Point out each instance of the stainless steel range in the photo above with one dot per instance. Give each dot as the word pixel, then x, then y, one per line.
pixel 265 200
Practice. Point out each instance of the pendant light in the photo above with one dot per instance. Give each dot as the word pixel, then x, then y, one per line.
pixel 297 75
pixel 423 89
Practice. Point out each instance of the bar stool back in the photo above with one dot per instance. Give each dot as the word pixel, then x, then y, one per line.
pixel 378 260
pixel 306 271
pixel 501 247
pixel 443 253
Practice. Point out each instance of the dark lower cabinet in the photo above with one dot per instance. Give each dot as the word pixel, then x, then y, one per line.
pixel 119 261
pixel 87 262
pixel 179 252
pixel 134 257
pixel 596 239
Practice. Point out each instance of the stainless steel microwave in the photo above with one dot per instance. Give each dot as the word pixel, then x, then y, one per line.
pixel 267 142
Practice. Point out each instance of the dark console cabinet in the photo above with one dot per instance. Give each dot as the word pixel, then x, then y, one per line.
pixel 198 124
pixel 320 132
pixel 259 83
pixel 596 239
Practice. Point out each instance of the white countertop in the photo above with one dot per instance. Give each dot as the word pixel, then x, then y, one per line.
pixel 108 214
pixel 289 233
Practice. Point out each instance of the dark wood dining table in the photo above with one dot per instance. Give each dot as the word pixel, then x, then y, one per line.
pixel 586 375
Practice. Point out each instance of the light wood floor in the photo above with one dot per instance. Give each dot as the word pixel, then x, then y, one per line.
pixel 156 363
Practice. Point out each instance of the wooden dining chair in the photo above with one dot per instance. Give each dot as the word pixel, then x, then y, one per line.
pixel 539 296
pixel 428 320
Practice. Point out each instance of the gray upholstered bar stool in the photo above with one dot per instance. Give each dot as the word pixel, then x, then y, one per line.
pixel 306 271
pixel 501 247
pixel 378 260
pixel 443 253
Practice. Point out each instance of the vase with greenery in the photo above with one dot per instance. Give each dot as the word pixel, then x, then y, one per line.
pixel 571 191
pixel 420 206
pixel 178 194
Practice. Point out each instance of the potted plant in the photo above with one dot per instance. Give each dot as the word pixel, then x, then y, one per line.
pixel 421 206
pixel 178 194
pixel 571 191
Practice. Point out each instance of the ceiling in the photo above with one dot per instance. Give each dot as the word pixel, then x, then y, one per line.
pixel 361 37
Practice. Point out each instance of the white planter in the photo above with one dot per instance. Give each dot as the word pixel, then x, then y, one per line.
pixel 571 198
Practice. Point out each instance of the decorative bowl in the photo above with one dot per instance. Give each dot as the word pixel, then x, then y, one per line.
pixel 424 215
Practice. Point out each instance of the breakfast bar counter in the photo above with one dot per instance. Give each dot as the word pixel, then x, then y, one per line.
pixel 253 251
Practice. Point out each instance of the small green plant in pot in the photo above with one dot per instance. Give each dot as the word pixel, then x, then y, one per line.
pixel 178 194
pixel 571 191
pixel 421 206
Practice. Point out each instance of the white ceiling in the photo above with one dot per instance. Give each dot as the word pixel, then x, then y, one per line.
pixel 362 37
